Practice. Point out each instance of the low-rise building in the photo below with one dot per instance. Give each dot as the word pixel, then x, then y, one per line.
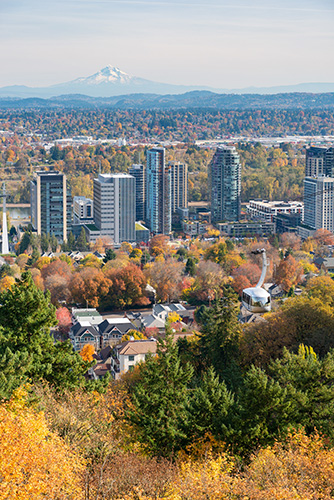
pixel 265 210
pixel 83 333
pixel 113 329
pixel 246 229
pixel 130 353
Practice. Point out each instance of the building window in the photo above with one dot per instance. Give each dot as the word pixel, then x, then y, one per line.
pixel 131 368
pixel 131 358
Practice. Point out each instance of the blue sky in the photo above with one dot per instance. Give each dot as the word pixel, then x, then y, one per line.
pixel 222 43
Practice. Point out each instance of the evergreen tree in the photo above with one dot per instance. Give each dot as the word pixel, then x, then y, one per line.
pixel 160 401
pixel 70 242
pixel 110 255
pixel 81 243
pixel 33 258
pixel 309 382
pixel 219 338
pixel 53 243
pixel 262 412
pixel 45 242
pixel 190 267
pixel 27 350
pixel 209 406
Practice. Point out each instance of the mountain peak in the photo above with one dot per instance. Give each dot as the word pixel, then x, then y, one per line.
pixel 108 74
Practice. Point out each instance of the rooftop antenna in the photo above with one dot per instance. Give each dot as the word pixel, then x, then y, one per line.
pixel 5 248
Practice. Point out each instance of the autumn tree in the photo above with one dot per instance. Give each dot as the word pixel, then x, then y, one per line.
pixel 208 285
pixel 158 245
pixel 89 285
pixel 34 461
pixel 128 287
pixel 64 318
pixel 288 273
pixel 166 278
pixel 87 352
pixel 307 320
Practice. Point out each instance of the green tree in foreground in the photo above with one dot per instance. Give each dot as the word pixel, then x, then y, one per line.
pixel 27 350
pixel 159 413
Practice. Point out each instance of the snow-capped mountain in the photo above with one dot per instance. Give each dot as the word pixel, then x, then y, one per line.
pixel 111 81
pixel 109 74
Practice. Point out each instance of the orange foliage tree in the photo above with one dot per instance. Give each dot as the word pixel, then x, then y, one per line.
pixel 89 285
pixel 87 352
pixel 288 273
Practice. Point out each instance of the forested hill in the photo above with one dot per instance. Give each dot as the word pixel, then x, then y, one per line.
pixel 196 99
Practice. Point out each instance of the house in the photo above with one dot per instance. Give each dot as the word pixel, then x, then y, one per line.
pixel 113 329
pixel 83 333
pixel 162 310
pixel 152 321
pixel 130 353
pixel 91 315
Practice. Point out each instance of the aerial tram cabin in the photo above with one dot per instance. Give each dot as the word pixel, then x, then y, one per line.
pixel 257 299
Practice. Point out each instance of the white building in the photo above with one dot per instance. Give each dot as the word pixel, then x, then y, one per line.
pixel 319 202
pixel 266 210
pixel 82 210
pixel 115 206
pixel 130 353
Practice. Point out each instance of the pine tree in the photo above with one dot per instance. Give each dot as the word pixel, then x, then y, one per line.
pixel 209 406
pixel 45 242
pixel 160 400
pixel 219 338
pixel 81 243
pixel 70 242
pixel 190 267
pixel 27 350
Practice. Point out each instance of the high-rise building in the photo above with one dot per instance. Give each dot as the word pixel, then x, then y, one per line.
pixel 138 172
pixel 158 192
pixel 319 202
pixel 179 186
pixel 319 161
pixel 51 210
pixel 115 206
pixel 225 185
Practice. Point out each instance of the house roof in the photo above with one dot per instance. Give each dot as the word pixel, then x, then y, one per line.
pixel 123 325
pixel 152 321
pixel 329 262
pixel 133 347
pixel 81 327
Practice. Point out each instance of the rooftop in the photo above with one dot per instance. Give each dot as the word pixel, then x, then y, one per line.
pixel 133 347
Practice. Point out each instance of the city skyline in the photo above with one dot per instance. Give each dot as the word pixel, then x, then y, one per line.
pixel 189 43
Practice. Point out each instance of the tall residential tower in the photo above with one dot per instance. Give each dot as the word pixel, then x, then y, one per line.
pixel 138 172
pixel 158 192
pixel 51 210
pixel 179 186
pixel 225 185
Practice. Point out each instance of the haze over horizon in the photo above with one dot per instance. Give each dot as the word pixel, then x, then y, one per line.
pixel 187 43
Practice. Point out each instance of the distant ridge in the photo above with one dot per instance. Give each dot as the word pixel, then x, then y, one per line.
pixel 111 81
pixel 194 99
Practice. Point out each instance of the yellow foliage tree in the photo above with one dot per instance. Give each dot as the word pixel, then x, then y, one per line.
pixel 135 334
pixel 87 352
pixel 173 317
pixel 6 282
pixel 34 462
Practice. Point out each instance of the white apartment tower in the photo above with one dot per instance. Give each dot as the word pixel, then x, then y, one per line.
pixel 179 186
pixel 115 206
pixel 319 202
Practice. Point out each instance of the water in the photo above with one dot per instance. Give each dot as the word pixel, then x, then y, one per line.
pixel 18 213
